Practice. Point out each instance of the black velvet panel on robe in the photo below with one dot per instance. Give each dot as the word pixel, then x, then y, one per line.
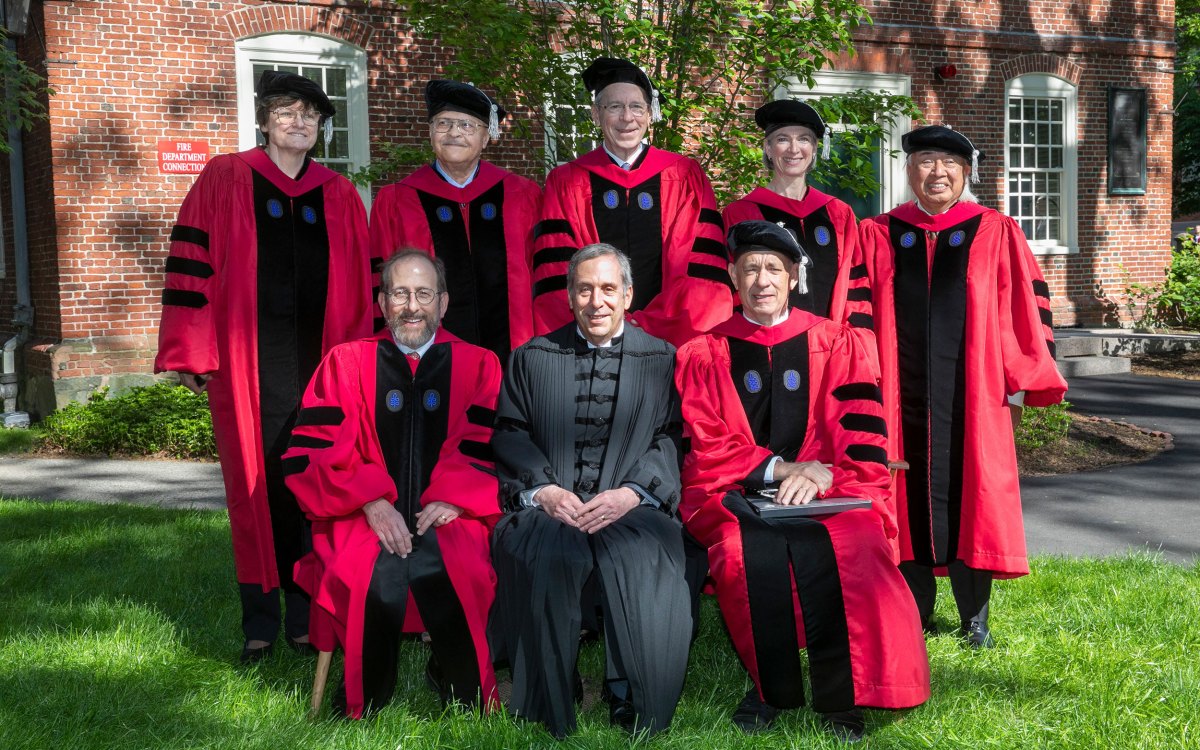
pixel 811 231
pixel 631 220
pixel 476 258
pixel 930 324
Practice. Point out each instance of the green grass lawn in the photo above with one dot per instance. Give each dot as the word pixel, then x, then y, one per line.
pixel 119 629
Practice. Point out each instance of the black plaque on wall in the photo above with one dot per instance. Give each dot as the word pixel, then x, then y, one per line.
pixel 1126 141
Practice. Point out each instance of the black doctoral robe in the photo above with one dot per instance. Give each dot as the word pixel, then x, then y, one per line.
pixel 542 564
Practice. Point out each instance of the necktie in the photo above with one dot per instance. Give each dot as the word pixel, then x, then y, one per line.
pixel 413 360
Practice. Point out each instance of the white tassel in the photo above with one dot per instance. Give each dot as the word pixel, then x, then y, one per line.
pixel 328 126
pixel 494 122
pixel 826 146
pixel 802 277
pixel 655 109
pixel 974 166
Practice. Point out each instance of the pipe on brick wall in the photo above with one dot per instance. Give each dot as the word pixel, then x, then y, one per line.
pixel 10 379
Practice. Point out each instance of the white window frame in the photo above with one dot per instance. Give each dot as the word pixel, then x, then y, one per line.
pixel 577 62
pixel 1045 85
pixel 893 188
pixel 306 49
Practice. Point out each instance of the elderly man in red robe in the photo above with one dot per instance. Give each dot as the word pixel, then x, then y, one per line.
pixel 475 216
pixel 268 270
pixel 658 207
pixel 778 398
pixel 961 317
pixel 390 459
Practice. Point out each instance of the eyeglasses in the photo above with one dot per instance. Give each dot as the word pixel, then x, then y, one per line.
pixel 468 127
pixel 288 116
pixel 616 109
pixel 400 296
pixel 949 163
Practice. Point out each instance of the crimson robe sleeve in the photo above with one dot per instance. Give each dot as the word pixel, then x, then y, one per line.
pixel 555 239
pixel 187 338
pixel 465 473
pixel 1027 335
pixel 848 430
pixel 357 286
pixel 332 463
pixel 695 292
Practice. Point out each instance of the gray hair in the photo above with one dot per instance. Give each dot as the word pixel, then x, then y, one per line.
pixel 408 253
pixel 599 250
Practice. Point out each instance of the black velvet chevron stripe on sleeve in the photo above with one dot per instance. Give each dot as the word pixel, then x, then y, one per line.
pixel 553 226
pixel 184 298
pixel 858 392
pixel 189 267
pixel 320 415
pixel 481 415
pixel 194 235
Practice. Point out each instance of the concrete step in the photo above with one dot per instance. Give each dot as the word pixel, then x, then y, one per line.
pixel 1077 346
pixel 1078 367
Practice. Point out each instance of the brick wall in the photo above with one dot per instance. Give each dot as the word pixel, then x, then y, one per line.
pixel 127 74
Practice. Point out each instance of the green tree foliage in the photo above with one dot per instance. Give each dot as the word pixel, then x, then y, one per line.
pixel 713 62
pixel 1187 112
pixel 1174 303
pixel 26 106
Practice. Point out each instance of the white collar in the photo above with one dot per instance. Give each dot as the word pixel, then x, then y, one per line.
pixel 446 176
pixel 620 331
pixel 420 350
pixel 623 163
pixel 781 319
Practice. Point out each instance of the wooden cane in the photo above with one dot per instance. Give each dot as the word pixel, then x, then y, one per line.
pixel 895 466
pixel 318 694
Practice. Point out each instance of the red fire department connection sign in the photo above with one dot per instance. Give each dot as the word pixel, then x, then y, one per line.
pixel 182 157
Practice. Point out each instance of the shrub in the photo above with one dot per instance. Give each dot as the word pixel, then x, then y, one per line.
pixel 1042 426
pixel 159 420
pixel 1175 303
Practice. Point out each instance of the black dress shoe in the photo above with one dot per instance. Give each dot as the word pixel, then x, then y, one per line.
pixel 977 634
pixel 846 726
pixel 621 715
pixel 435 679
pixel 255 655
pixel 301 647
pixel 752 715
pixel 929 627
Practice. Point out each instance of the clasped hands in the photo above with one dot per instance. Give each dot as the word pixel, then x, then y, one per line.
pixel 800 482
pixel 388 523
pixel 599 512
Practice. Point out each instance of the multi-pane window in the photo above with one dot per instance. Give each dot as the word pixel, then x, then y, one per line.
pixel 1036 165
pixel 570 133
pixel 332 80
pixel 1041 161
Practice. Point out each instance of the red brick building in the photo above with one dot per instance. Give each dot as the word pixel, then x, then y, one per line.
pixel 144 89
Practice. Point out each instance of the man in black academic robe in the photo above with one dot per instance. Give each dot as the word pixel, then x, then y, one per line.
pixel 586 450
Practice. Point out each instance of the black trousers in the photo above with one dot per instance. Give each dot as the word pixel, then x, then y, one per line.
pixel 292 536
pixel 972 588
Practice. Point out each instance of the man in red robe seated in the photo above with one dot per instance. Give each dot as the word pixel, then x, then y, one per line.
pixel 961 317
pixel 390 459
pixel 658 207
pixel 475 216
pixel 780 398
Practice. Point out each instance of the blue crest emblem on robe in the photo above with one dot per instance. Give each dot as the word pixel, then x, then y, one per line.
pixel 791 380
pixel 444 214
pixel 611 199
pixel 394 400
pixel 957 237
pixel 309 214
pixel 431 400
pixel 645 201
pixel 753 381
pixel 822 236
pixel 275 208
pixel 908 239
pixel 488 211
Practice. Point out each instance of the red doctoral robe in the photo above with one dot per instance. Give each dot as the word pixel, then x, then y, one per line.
pixel 827 231
pixel 961 316
pixel 484 235
pixel 803 390
pixel 662 214
pixel 337 462
pixel 221 316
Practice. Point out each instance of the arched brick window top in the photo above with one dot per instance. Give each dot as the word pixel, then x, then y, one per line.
pixel 1054 65
pixel 337 23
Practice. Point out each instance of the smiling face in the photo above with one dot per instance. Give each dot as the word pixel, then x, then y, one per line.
pixel 599 298
pixel 763 280
pixel 462 140
pixel 622 113
pixel 791 150
pixel 411 322
pixel 937 178
pixel 299 135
